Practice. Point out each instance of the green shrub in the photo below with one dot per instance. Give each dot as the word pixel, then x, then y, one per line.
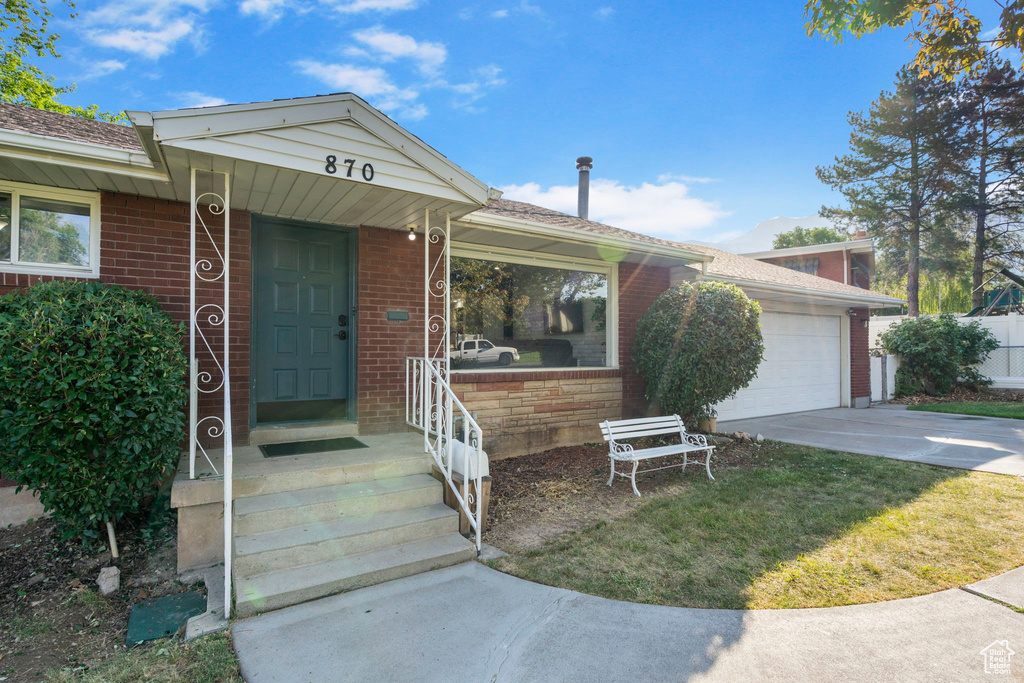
pixel 938 352
pixel 92 393
pixel 697 345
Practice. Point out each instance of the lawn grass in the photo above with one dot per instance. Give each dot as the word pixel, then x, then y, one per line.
pixel 207 660
pixel 986 408
pixel 810 528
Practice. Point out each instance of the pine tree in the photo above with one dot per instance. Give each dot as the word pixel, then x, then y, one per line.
pixel 902 169
pixel 994 170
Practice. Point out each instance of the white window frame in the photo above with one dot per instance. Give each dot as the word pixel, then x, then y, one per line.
pixel 609 270
pixel 92 199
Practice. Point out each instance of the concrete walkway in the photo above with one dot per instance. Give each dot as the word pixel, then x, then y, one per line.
pixel 988 444
pixel 471 623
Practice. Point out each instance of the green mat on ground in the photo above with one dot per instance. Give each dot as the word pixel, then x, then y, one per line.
pixel 276 450
pixel 162 617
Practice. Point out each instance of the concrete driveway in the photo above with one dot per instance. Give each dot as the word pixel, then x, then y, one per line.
pixel 471 623
pixel 988 444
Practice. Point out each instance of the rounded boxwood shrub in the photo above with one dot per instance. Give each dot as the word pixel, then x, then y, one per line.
pixel 92 394
pixel 697 345
pixel 937 353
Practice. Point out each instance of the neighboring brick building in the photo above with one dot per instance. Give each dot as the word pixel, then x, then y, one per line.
pixel 852 262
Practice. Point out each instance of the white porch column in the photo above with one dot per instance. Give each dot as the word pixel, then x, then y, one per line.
pixel 210 275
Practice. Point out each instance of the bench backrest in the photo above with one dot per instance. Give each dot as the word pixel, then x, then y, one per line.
pixel 617 430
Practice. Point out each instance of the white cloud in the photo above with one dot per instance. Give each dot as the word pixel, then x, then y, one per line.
pixel 148 28
pixel 269 10
pixel 663 209
pixel 604 12
pixel 146 43
pixel 484 78
pixel 373 83
pixel 388 46
pixel 668 177
pixel 197 99
pixel 524 7
pixel 356 6
pixel 102 68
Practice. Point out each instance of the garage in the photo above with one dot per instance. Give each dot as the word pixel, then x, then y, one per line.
pixel 802 368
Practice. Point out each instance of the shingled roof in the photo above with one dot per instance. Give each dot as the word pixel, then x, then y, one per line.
pixel 725 264
pixel 51 124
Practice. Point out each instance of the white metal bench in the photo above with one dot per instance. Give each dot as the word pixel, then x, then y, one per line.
pixel 618 430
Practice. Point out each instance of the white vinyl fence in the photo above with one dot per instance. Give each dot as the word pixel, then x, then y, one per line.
pixel 1005 365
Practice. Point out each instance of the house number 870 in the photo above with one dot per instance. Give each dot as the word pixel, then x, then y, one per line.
pixel 332 167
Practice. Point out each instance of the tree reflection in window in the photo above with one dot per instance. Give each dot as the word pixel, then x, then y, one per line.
pixel 553 317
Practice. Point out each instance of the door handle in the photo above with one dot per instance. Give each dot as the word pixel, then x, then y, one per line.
pixel 343 320
pixel 342 335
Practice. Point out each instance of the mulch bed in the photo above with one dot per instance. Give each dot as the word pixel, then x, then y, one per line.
pixel 53 616
pixel 961 394
pixel 538 497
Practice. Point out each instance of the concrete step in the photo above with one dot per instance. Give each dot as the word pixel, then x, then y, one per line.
pixel 290 432
pixel 275 511
pixel 322 542
pixel 329 469
pixel 286 587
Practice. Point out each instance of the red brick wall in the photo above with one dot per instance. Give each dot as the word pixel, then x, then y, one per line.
pixel 639 286
pixel 830 264
pixel 144 244
pixel 860 361
pixel 390 278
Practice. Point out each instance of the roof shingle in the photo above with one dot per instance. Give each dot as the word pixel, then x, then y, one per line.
pixel 725 264
pixel 39 122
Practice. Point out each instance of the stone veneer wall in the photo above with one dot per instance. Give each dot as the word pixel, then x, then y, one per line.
pixel 526 413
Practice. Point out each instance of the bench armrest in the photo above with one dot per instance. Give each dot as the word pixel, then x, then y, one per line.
pixel 620 449
pixel 695 439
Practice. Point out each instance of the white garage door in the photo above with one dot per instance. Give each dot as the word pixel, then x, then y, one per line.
pixel 801 369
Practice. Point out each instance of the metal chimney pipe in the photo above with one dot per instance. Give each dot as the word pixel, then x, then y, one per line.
pixel 584 164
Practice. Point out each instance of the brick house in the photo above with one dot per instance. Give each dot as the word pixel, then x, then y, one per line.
pixel 345 259
pixel 851 262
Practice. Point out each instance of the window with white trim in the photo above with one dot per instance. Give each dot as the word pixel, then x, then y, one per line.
pixel 48 231
pixel 523 313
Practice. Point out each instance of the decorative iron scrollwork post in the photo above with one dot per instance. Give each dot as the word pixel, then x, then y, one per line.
pixel 210 373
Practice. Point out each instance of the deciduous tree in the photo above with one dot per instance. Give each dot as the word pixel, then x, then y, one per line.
pixel 25 34
pixel 805 237
pixel 947 32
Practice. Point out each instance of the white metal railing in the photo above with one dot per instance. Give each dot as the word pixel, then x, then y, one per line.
pixel 450 434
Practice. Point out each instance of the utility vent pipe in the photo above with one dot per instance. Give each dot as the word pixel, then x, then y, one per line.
pixel 584 164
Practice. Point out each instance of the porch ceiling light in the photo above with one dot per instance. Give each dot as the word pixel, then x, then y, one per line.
pixel 412 231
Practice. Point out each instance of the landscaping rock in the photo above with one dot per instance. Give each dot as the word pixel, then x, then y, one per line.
pixel 720 440
pixel 759 438
pixel 109 580
pixel 33 580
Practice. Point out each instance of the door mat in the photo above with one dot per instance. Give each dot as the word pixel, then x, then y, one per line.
pixel 276 450
pixel 162 617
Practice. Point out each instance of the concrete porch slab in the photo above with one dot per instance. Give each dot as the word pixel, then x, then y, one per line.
pixel 253 471
pixel 471 623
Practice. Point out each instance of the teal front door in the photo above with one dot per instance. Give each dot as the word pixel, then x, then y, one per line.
pixel 303 328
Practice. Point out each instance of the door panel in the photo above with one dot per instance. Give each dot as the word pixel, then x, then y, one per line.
pixel 301 303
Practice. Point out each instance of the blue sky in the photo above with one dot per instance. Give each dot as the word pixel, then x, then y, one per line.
pixel 703 118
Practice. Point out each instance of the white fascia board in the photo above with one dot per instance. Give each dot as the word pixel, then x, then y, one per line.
pixel 870 301
pixel 853 246
pixel 204 122
pixel 562 234
pixel 84 155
